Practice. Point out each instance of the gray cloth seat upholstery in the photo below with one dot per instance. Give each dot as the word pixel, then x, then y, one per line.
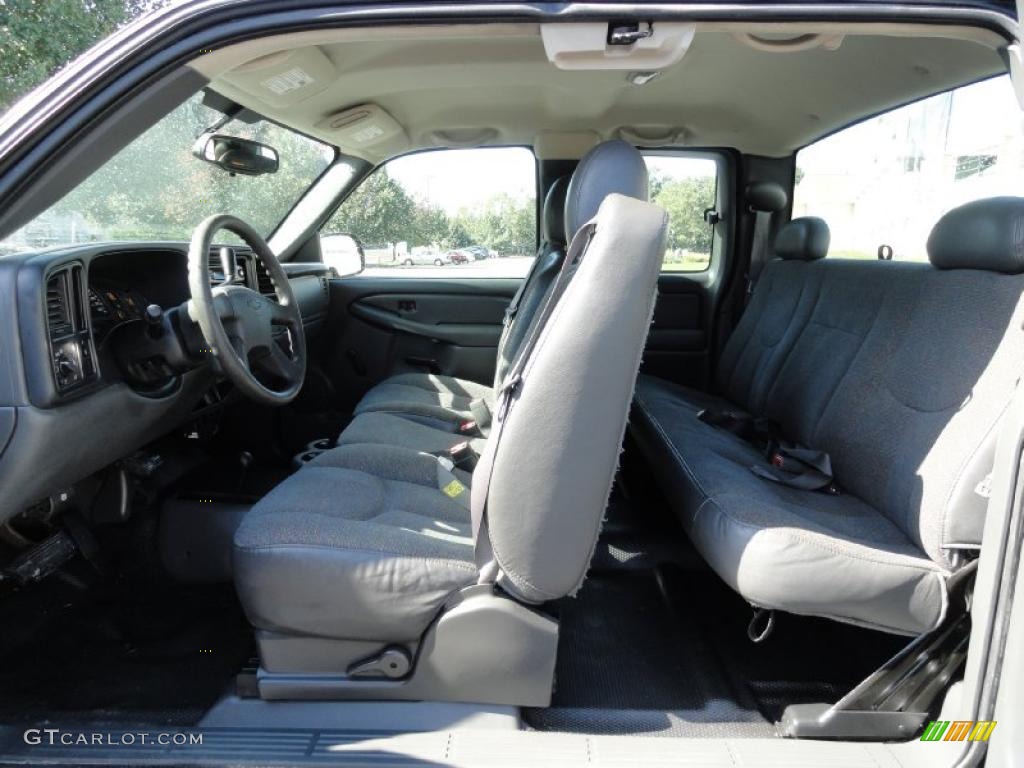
pixel 783 548
pixel 369 542
pixel 448 401
pixel 900 372
pixel 412 432
pixel 360 544
pixel 445 399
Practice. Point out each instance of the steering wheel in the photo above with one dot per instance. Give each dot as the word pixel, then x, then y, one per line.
pixel 243 327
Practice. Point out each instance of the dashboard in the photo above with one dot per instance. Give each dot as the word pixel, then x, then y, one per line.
pixel 80 391
pixel 109 306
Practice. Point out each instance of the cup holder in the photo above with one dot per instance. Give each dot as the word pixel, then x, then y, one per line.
pixel 311 451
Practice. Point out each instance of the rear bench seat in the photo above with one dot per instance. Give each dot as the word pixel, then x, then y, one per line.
pixel 900 372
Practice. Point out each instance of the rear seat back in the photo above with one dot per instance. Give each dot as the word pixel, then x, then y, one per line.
pixel 899 371
pixel 911 426
pixel 777 313
pixel 849 297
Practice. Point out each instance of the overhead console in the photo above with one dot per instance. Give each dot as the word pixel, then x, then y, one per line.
pixel 635 45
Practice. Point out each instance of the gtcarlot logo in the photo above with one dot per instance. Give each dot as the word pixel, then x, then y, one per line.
pixel 57 737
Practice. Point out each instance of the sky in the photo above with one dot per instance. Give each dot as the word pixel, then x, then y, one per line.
pixel 982 115
pixel 463 178
pixel 888 179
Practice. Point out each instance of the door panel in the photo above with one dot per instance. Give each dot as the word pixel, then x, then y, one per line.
pixel 468 321
pixel 677 346
pixel 381 326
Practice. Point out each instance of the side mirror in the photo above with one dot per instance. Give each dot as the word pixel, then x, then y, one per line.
pixel 235 155
pixel 343 253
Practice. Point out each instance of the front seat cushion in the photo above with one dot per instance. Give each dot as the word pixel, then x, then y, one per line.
pixel 425 394
pixel 335 551
pixel 409 433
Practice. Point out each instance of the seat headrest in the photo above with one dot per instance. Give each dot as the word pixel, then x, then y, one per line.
pixel 806 239
pixel 611 167
pixel 766 196
pixel 984 234
pixel 553 216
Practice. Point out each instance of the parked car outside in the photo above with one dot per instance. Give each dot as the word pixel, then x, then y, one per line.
pixel 422 258
pixel 480 252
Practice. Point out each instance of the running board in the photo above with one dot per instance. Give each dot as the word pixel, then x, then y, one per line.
pixel 895 702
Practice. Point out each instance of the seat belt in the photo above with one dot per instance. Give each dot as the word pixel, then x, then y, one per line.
pixel 513 307
pixel 758 250
pixel 479 409
pixel 788 463
pixel 798 467
pixel 748 428
pixel 481 414
pixel 507 395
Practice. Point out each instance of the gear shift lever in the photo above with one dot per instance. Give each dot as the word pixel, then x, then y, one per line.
pixel 244 462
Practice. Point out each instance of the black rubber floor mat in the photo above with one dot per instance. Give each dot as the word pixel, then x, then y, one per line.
pixel 629 662
pixel 805 659
pixel 665 652
pixel 118 653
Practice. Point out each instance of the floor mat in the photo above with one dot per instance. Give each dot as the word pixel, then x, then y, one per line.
pixel 663 651
pixel 119 652
pixel 628 662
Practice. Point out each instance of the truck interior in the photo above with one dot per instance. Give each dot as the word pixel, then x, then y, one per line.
pixel 582 389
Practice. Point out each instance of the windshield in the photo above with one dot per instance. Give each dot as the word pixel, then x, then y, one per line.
pixel 156 189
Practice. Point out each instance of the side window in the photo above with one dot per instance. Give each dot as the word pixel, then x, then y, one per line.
pixel 887 180
pixel 685 186
pixel 470 212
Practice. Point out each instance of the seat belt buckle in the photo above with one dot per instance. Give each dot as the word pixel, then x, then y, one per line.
pixel 469 427
pixel 463 456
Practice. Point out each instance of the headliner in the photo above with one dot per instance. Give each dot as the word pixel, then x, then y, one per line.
pixel 493 84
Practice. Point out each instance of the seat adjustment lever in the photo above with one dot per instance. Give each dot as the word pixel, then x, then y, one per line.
pixel 393 662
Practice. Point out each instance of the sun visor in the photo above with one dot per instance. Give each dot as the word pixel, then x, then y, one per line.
pixel 365 131
pixel 285 78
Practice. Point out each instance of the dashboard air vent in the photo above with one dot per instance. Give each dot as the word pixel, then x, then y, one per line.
pixel 263 281
pixel 216 269
pixel 58 306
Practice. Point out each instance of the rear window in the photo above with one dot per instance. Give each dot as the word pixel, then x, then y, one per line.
pixel 887 180
pixel 685 186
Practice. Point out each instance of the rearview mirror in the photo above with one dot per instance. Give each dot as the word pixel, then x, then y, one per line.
pixel 235 155
pixel 343 253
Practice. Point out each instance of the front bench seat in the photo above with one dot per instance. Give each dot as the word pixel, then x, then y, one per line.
pixel 595 179
pixel 447 401
pixel 369 553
